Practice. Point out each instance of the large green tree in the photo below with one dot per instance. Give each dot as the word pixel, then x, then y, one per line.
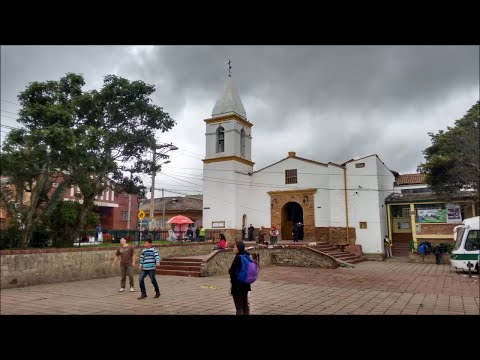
pixel 452 161
pixel 90 138
pixel 30 170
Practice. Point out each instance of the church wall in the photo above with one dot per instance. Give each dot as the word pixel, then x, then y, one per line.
pixel 223 195
pixel 336 194
pixel 365 202
pixel 385 185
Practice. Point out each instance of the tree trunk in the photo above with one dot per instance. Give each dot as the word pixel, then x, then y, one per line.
pixel 88 203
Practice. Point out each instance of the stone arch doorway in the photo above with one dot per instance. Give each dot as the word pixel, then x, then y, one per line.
pixel 292 212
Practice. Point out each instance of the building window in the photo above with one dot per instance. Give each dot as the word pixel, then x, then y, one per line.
pixel 242 143
pixel 360 165
pixel 220 139
pixel 54 184
pixel 291 176
pixel 363 224
pixel 473 240
pixel 124 215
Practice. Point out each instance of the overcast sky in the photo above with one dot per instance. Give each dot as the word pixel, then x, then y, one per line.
pixel 327 103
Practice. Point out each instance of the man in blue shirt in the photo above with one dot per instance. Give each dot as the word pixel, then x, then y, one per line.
pixel 148 263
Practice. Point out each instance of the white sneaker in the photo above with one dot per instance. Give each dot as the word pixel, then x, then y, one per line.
pixel 121 289
pixel 132 289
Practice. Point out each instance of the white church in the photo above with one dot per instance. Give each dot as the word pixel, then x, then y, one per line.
pixel 327 198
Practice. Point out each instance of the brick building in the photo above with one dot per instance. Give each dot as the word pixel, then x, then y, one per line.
pixel 113 208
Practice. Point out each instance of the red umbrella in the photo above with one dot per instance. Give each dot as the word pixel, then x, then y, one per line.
pixel 179 219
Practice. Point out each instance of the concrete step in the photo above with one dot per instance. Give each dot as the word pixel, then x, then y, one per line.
pixel 183 259
pixel 338 254
pixel 177 272
pixel 180 263
pixel 177 267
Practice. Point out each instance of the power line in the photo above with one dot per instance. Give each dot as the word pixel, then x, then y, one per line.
pixel 9 117
pixel 9 127
pixel 193 153
pixel 269 185
pixel 278 172
pixel 188 182
pixel 190 156
pixel 11 112
pixel 10 102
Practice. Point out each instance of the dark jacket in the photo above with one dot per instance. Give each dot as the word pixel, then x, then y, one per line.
pixel 238 288
pixel 295 228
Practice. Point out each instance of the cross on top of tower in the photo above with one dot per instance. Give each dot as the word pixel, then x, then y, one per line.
pixel 229 68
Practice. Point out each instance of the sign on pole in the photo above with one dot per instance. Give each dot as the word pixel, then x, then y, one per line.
pixel 141 215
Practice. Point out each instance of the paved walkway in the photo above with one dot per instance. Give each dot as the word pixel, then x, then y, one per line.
pixel 390 287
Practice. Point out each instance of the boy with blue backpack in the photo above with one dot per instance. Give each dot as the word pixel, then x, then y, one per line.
pixel 243 272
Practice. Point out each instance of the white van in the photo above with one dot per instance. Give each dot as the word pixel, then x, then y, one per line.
pixel 466 251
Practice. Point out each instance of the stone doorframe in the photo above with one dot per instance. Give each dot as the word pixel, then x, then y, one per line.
pixel 304 197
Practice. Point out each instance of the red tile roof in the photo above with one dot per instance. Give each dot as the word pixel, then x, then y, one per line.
pixel 410 179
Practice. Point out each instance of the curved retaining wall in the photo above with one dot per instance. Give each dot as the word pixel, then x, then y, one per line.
pixel 40 266
pixel 220 261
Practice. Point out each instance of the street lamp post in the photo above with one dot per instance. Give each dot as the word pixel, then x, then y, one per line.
pixel 164 148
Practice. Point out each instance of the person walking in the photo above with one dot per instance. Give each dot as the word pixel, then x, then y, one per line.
pixel 251 229
pixel 148 263
pixel 438 254
pixel 239 290
pixel 261 235
pixel 388 246
pixel 300 231
pixel 295 232
pixel 98 233
pixel 201 234
pixel 127 261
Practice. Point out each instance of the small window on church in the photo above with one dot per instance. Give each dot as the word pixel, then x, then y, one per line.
pixel 220 139
pixel 242 143
pixel 291 176
pixel 360 165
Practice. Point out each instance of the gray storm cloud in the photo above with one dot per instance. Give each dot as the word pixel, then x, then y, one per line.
pixel 327 103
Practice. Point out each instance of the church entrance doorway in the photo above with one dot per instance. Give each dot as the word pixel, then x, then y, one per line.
pixel 292 213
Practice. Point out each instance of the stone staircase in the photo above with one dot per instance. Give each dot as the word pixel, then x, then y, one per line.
pixel 338 254
pixel 191 265
pixel 180 266
pixel 400 249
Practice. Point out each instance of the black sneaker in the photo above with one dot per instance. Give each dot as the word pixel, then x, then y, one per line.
pixel 157 295
pixel 143 296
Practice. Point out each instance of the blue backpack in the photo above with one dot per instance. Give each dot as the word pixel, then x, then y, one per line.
pixel 421 249
pixel 248 272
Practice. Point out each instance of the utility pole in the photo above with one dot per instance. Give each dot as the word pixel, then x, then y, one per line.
pixel 163 218
pixel 152 191
pixel 129 209
pixel 164 149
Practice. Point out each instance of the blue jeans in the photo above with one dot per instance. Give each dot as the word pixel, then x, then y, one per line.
pixel 143 275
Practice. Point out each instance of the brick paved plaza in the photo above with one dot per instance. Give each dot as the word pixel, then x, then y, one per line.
pixel 392 287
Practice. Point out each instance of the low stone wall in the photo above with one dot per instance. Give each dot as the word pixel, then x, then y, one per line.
pixel 354 249
pixel 220 261
pixel 40 266
pixel 428 259
pixel 374 256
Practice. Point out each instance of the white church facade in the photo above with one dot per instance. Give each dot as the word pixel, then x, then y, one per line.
pixel 327 198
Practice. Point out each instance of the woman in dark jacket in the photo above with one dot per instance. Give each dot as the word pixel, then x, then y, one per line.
pixel 239 290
